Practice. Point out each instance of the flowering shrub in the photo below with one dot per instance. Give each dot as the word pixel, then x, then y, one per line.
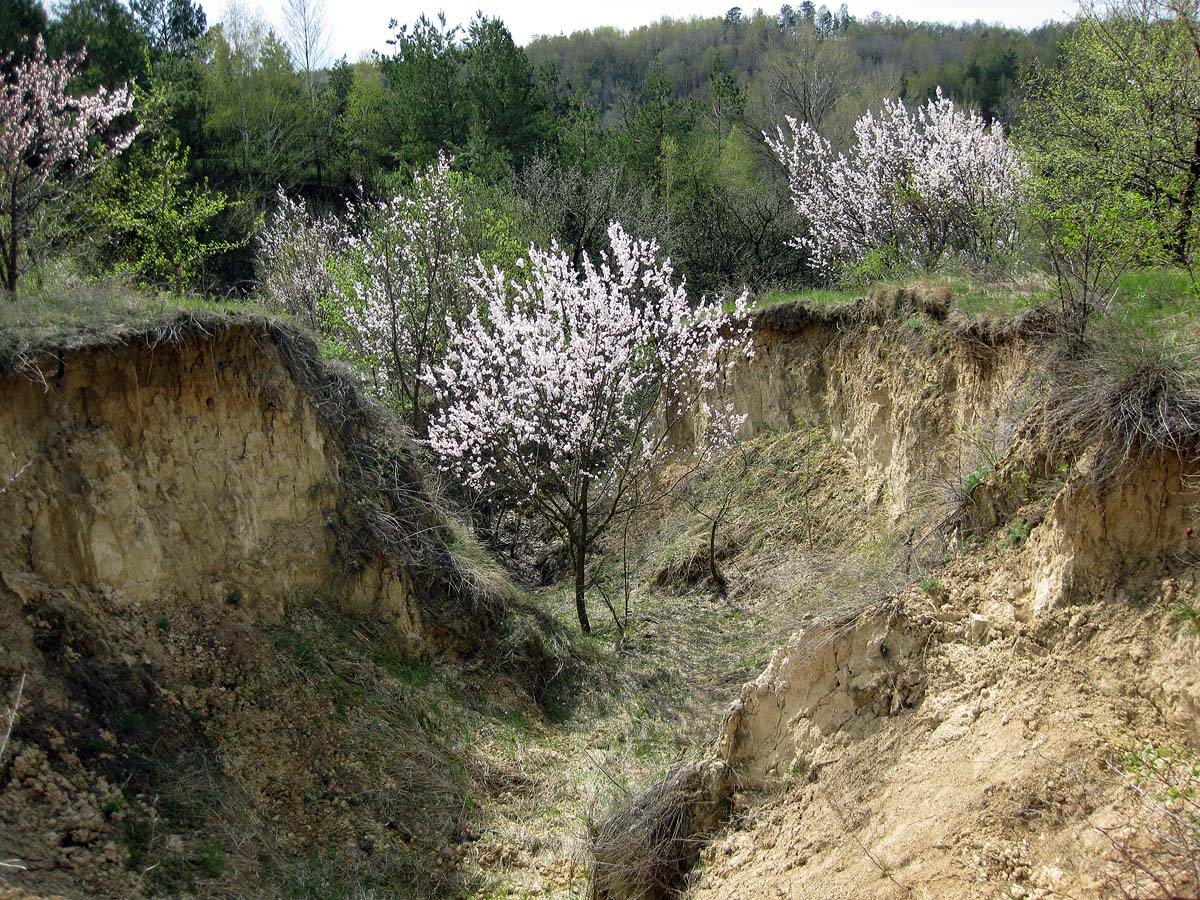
pixel 562 385
pixel 915 188
pixel 48 140
pixel 385 281
pixel 296 252
pixel 406 283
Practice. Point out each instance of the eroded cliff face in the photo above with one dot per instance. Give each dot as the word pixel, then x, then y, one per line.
pixel 958 738
pixel 181 552
pixel 915 406
pixel 190 472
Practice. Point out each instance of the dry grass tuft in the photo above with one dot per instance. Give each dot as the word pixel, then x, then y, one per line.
pixel 919 298
pixel 644 848
pixel 1128 396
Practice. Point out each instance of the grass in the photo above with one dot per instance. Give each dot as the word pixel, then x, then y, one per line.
pixel 812 296
pixel 79 313
pixel 1187 612
pixel 1147 299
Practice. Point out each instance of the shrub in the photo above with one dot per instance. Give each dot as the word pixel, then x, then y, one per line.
pixel 916 188
pixel 1156 845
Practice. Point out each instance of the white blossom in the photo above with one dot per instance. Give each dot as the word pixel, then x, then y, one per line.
pixel 295 253
pixel 918 186
pixel 563 386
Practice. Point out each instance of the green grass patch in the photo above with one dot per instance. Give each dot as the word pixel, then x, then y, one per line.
pixel 79 313
pixel 810 296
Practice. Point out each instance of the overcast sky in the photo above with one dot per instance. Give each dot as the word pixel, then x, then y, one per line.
pixel 359 26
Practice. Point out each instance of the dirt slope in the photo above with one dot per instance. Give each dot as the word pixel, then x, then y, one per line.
pixel 956 743
pixel 219 573
pixel 969 731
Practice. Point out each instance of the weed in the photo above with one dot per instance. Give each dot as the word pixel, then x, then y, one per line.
pixel 645 846
pixel 973 479
pixel 798 772
pixel 931 586
pixel 210 859
pixel 163 623
pixel 1188 613
pixel 234 598
pixel 94 745
pixel 1018 532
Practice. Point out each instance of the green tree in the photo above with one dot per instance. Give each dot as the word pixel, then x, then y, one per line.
pixel 363 126
pixel 157 220
pixel 254 107
pixel 1114 136
pixel 171 27
pixel 105 29
pixel 656 119
pixel 20 22
pixel 509 110
pixel 429 109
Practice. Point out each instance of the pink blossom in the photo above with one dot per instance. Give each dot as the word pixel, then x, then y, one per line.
pixel 48 140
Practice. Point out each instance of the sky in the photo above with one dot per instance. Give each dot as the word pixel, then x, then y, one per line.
pixel 360 26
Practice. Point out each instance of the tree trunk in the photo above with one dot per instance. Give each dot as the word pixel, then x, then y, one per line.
pixel 580 583
pixel 580 563
pixel 720 585
pixel 1187 204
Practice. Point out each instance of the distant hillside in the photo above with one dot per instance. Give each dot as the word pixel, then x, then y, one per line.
pixel 978 64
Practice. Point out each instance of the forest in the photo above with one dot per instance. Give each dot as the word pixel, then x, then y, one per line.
pixel 660 128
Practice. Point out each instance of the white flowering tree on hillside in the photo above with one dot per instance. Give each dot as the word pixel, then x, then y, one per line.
pixel 562 386
pixel 408 283
pixel 383 282
pixel 49 139
pixel 297 250
pixel 915 188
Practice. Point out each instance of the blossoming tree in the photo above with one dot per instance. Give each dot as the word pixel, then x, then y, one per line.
pixel 48 140
pixel 915 187
pixel 564 384
pixel 407 283
pixel 296 250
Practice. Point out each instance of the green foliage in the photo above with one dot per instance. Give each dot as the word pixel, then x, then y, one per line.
pixel 490 107
pixel 254 106
pixel 20 22
pixel 107 31
pixel 1187 612
pixel 171 27
pixel 931 586
pixel 1110 132
pixel 158 222
pixel 973 479
pixel 1018 532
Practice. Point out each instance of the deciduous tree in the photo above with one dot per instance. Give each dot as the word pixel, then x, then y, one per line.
pixel 48 140
pixel 563 385
pixel 916 187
